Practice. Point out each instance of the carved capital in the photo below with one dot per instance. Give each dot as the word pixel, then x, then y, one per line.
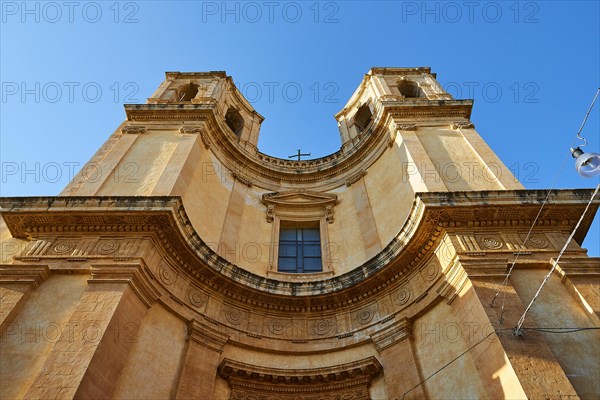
pixel 190 129
pixel 462 125
pixel 242 179
pixel 397 331
pixel 132 274
pixel 408 127
pixel 455 279
pixel 355 178
pixel 482 267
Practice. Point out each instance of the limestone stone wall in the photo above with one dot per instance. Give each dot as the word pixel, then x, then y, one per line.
pixel 154 273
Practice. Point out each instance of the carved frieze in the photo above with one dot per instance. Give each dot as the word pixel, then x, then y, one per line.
pixel 491 242
pixel 166 275
pixel 342 381
pixel 402 295
pixel 430 271
pixel 322 327
pixel 365 315
pixel 197 298
pixel 234 316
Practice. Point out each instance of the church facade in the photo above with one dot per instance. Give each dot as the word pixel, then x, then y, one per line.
pixel 181 262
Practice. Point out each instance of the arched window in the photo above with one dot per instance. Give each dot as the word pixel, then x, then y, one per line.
pixel 363 117
pixel 187 92
pixel 410 89
pixel 234 121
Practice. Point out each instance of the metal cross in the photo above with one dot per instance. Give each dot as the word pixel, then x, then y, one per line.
pixel 299 155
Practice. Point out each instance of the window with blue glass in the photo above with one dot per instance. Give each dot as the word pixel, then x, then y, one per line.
pixel 299 250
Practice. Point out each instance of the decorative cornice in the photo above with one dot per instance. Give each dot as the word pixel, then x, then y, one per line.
pixel 367 367
pixel 165 219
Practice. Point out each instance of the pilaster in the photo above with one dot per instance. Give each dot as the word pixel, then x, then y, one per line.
pixel 538 371
pixel 86 360
pixel 17 281
pixel 200 362
pixel 402 373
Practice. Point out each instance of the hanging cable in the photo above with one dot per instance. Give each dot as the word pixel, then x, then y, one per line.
pixel 507 277
pixel 441 369
pixel 585 120
pixel 517 329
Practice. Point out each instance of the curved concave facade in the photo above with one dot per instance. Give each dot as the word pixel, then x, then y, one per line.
pixel 198 267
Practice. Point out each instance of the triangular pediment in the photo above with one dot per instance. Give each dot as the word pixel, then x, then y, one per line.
pixel 302 198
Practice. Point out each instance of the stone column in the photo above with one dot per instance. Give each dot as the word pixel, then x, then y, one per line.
pixel 90 354
pixel 400 367
pixel 17 281
pixel 200 362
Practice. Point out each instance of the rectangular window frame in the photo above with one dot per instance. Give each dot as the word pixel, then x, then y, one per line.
pixel 308 221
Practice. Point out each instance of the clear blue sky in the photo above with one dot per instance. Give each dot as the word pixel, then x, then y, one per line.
pixel 532 68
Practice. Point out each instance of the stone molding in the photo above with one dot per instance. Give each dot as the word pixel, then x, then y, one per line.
pixel 29 274
pixel 349 380
pixel 365 367
pixel 206 336
pixel 578 267
pixel 133 129
pixel 165 217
